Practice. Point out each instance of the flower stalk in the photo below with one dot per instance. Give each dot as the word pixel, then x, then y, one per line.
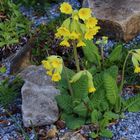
pixel 123 70
pixel 76 57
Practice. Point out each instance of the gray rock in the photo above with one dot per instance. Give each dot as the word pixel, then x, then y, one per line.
pixel 117 18
pixel 38 97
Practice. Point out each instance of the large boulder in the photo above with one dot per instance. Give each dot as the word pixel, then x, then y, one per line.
pixel 118 18
pixel 38 97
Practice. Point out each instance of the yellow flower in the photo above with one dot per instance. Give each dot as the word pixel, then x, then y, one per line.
pixel 81 44
pixel 46 64
pixel 91 32
pixel 58 35
pixel 56 63
pixel 49 73
pixel 89 35
pixel 66 8
pixel 62 31
pixel 65 43
pixel 56 77
pixel 91 89
pixel 84 13
pixel 91 22
pixel 137 69
pixel 74 35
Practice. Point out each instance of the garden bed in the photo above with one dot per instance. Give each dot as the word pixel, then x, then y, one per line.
pixel 123 124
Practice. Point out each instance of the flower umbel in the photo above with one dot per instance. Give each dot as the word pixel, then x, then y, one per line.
pixel 78 27
pixel 53 65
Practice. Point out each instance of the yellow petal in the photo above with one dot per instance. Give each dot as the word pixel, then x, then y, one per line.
pixel 56 77
pixel 56 63
pixel 84 13
pixel 74 35
pixel 62 31
pixel 137 69
pixel 91 89
pixel 66 8
pixel 81 44
pixel 65 43
pixel 91 22
pixel 49 73
pixel 91 32
pixel 46 64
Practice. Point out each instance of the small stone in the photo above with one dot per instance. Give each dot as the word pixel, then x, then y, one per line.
pixel 72 136
pixel 52 133
pixel 60 124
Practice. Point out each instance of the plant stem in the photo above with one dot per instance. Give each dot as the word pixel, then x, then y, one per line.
pixel 102 54
pixel 123 70
pixel 67 78
pixel 76 57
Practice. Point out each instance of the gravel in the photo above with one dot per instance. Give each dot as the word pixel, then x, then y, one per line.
pixel 8 128
pixel 127 128
pixel 51 13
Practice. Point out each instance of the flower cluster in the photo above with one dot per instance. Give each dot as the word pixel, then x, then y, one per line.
pixel 136 60
pixel 80 26
pixel 78 75
pixel 54 66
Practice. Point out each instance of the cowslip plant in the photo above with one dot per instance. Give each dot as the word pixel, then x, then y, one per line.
pixel 91 93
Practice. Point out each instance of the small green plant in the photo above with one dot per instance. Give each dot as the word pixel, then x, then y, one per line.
pixel 43 39
pixel 14 26
pixel 9 91
pixel 40 6
pixel 91 93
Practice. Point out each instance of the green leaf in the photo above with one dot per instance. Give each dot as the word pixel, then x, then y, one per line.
pixel 82 27
pixel 64 102
pixel 80 88
pixel 63 83
pixel 95 116
pixel 98 80
pixel 93 135
pixel 106 133
pixel 74 122
pixel 81 110
pixel 111 88
pixel 66 23
pixel 103 123
pixel 133 104
pixel 110 115
pixel 74 26
pixel 113 71
pixel 116 54
pixel 99 100
pixel 91 52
